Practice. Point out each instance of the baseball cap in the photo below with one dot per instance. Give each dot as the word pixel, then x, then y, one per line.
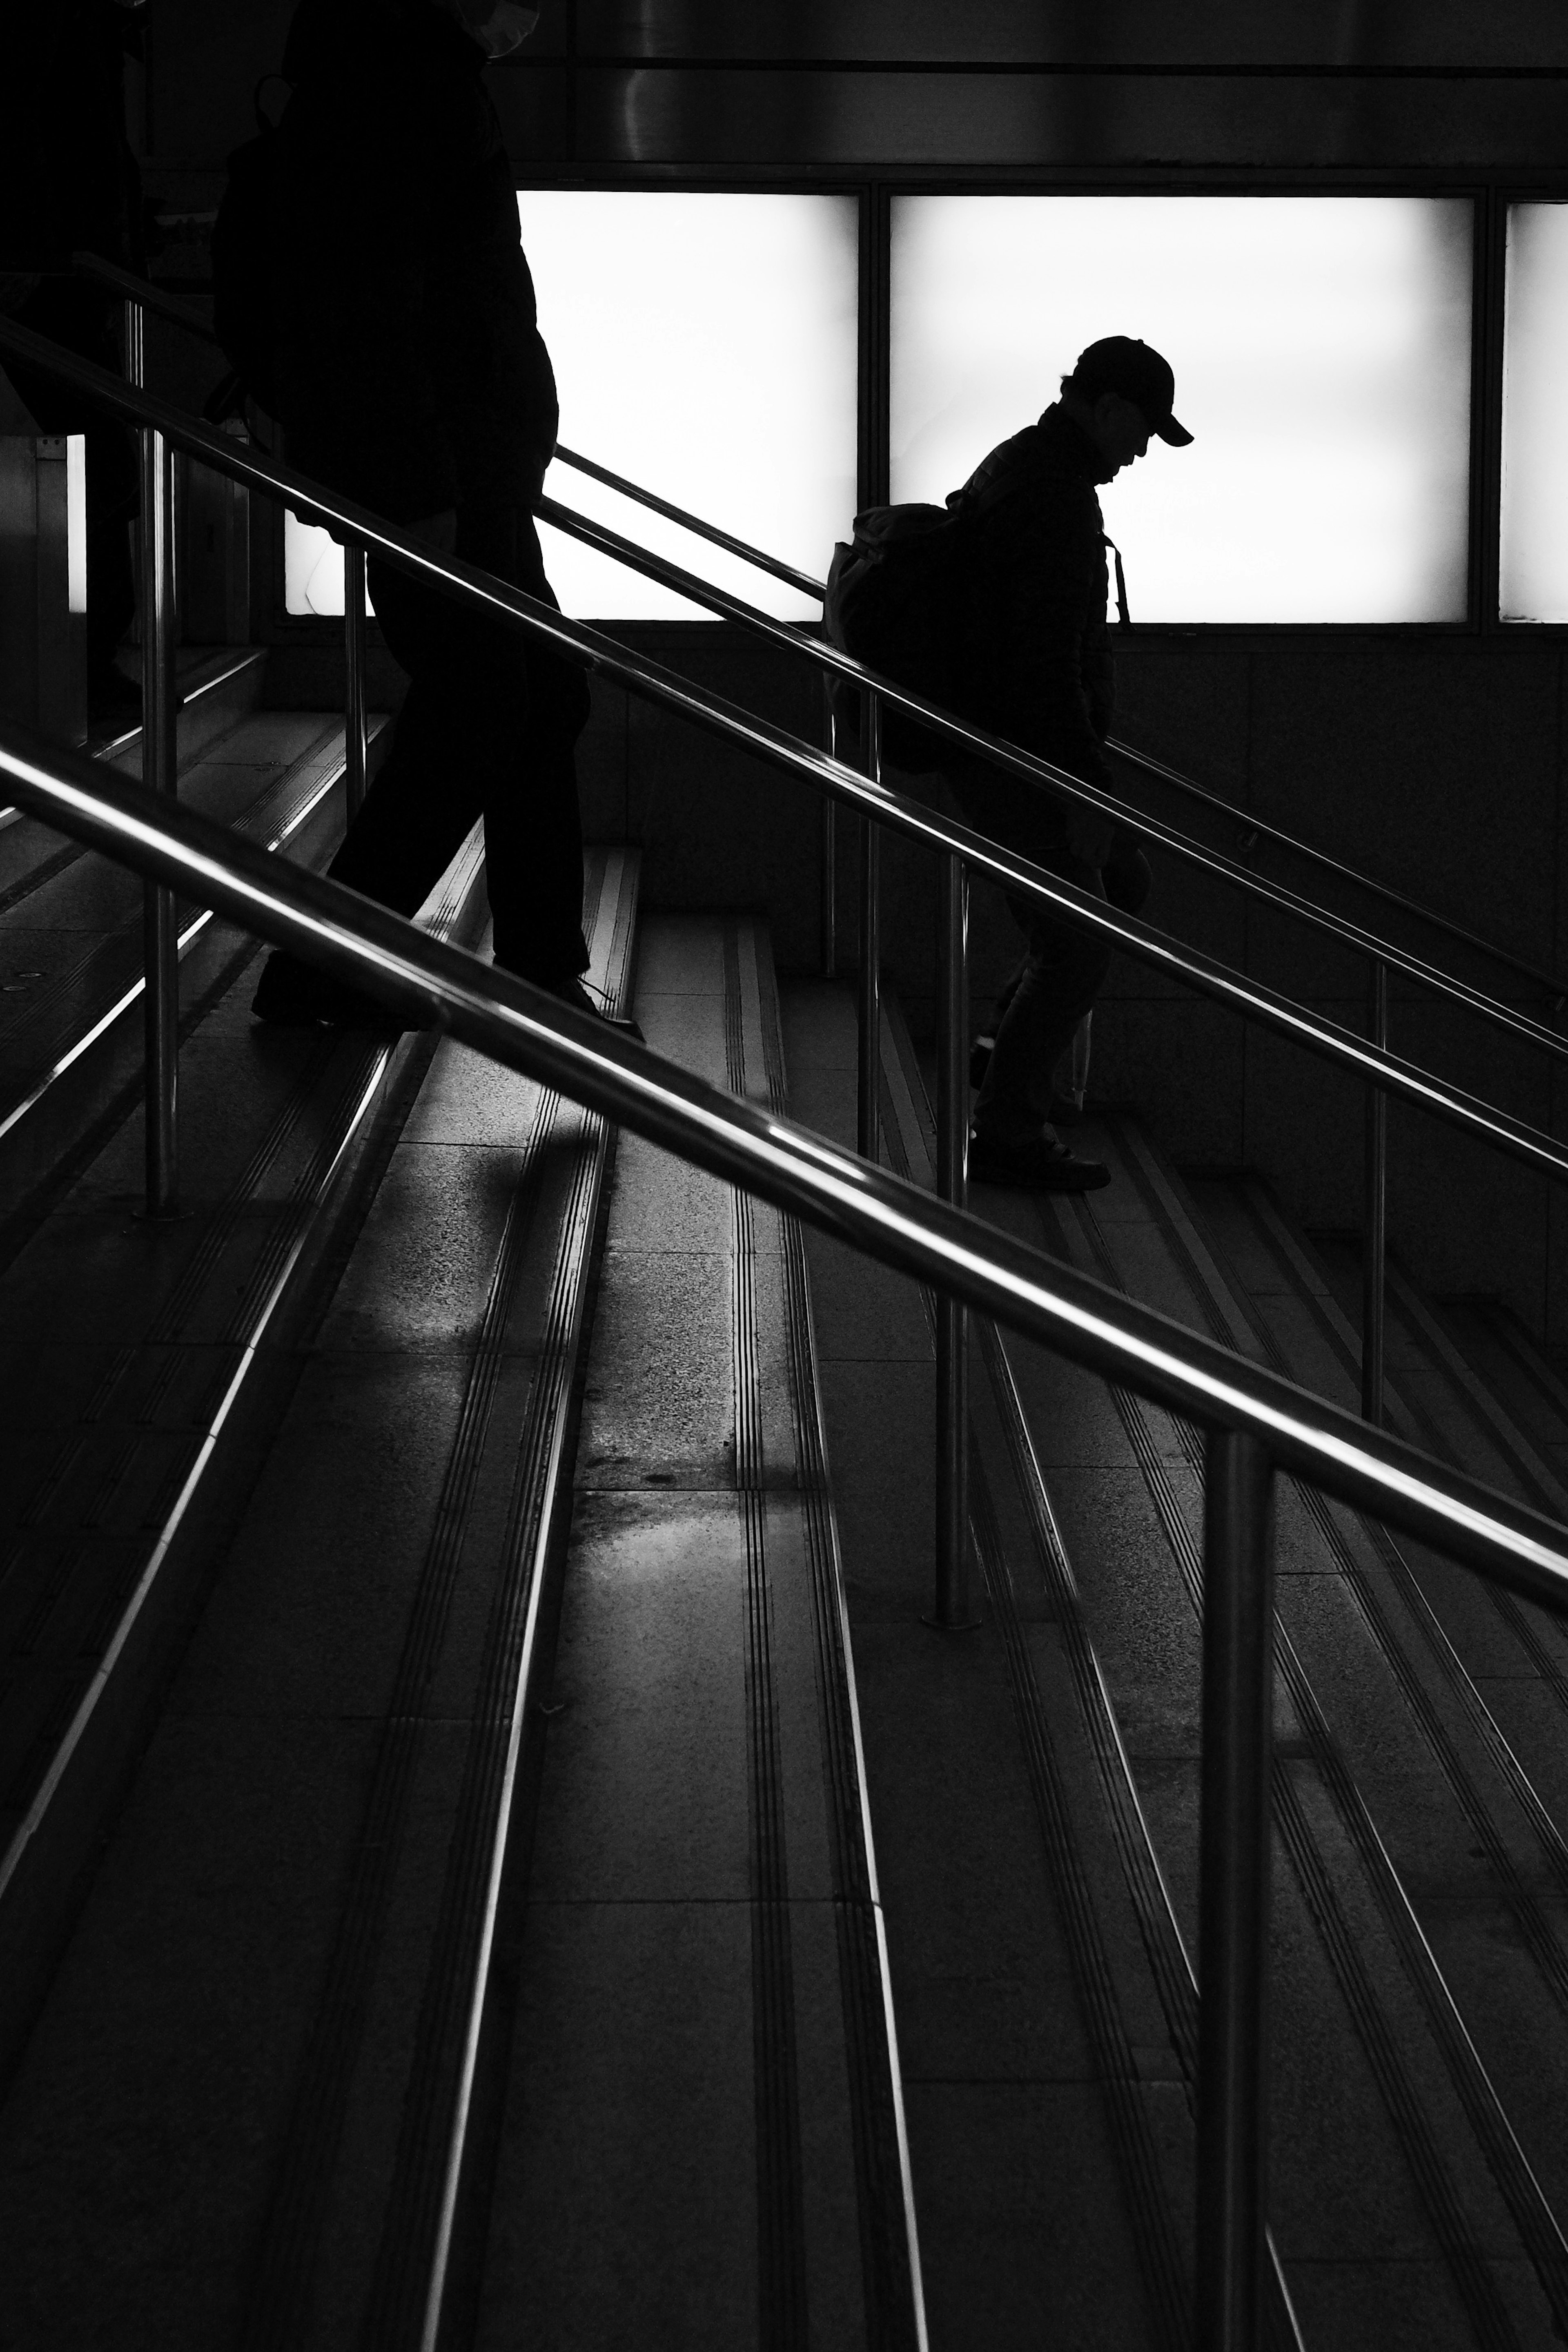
pixel 1123 364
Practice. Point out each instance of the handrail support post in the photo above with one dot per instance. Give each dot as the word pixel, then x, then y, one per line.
pixel 953 1611
pixel 830 843
pixel 1233 1892
pixel 1375 1229
pixel 160 1000
pixel 868 1122
pixel 355 733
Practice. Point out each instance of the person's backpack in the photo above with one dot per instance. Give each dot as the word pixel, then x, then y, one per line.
pixel 896 598
pixel 892 602
pixel 243 312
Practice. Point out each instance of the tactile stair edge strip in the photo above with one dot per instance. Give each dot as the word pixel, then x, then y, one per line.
pixel 38 1889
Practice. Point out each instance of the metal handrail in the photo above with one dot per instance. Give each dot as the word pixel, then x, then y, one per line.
pixel 1258 1423
pixel 1033 770
pixel 529 1030
pixel 993 747
pixel 1552 983
pixel 872 799
pixel 748 554
pixel 133 288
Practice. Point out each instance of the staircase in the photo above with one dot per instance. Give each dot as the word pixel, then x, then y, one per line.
pixel 493 1851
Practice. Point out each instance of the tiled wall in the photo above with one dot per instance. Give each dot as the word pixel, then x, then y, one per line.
pixel 1437 767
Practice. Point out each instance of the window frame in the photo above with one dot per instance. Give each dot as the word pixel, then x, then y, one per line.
pixel 1488 193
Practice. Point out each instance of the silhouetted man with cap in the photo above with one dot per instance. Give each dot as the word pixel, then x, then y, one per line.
pixel 413 378
pixel 1034 665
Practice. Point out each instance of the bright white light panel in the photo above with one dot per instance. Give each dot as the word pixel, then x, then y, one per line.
pixel 1534 582
pixel 1322 350
pixel 312 570
pixel 704 345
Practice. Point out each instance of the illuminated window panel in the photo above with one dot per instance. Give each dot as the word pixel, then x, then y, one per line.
pixel 1322 350
pixel 1534 581
pixel 703 345
pixel 312 570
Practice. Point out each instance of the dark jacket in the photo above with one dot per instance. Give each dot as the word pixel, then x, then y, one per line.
pixel 1035 663
pixel 411 375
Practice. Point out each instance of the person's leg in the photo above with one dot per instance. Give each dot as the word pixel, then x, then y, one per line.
pixel 533 828
pixel 1063 973
pixel 430 787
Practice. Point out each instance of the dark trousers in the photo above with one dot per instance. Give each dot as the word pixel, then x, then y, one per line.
pixel 487 729
pixel 1064 967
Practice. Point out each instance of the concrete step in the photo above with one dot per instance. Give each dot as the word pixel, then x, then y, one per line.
pixel 1427 1862
pixel 217 686
pixel 71 951
pixel 1049 2134
pixel 1415 1901
pixel 139 1365
pixel 701 2137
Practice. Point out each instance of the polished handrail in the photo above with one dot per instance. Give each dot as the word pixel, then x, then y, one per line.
pixel 527 1029
pixel 1058 781
pixel 125 282
pixel 996 748
pixel 1552 983
pixel 693 523
pixel 763 740
pixel 1256 1423
pixel 133 288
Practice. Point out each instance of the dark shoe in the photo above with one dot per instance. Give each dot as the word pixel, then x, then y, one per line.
pixel 572 991
pixel 1039 1164
pixel 292 995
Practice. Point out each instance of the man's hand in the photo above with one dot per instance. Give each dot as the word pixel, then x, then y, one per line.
pixel 1089 835
pixel 437 531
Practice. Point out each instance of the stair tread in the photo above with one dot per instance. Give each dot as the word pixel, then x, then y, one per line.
pixel 1144 1232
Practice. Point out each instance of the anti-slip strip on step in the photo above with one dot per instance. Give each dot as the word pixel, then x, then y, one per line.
pixel 283 2284
pixel 1538 1640
pixel 1531 2215
pixel 180 1463
pixel 47 1029
pixel 408 2286
pixel 909 1135
pixel 890 2252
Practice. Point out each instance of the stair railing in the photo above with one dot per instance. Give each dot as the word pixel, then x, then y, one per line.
pixel 876 805
pixel 1258 1424
pixel 1380 954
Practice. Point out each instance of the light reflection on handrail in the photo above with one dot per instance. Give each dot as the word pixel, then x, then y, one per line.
pixel 761 739
pixel 873 1210
pixel 694 524
pixel 1051 778
pixel 183 314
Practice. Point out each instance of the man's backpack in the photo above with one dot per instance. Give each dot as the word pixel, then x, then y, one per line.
pixel 893 602
pixel 896 596
pixel 243 236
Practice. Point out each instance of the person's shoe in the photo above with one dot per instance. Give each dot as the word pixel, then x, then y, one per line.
pixel 1036 1164
pixel 572 991
pixel 292 995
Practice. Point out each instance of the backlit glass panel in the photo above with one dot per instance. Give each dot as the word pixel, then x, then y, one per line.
pixel 704 345
pixel 1534 582
pixel 1322 350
